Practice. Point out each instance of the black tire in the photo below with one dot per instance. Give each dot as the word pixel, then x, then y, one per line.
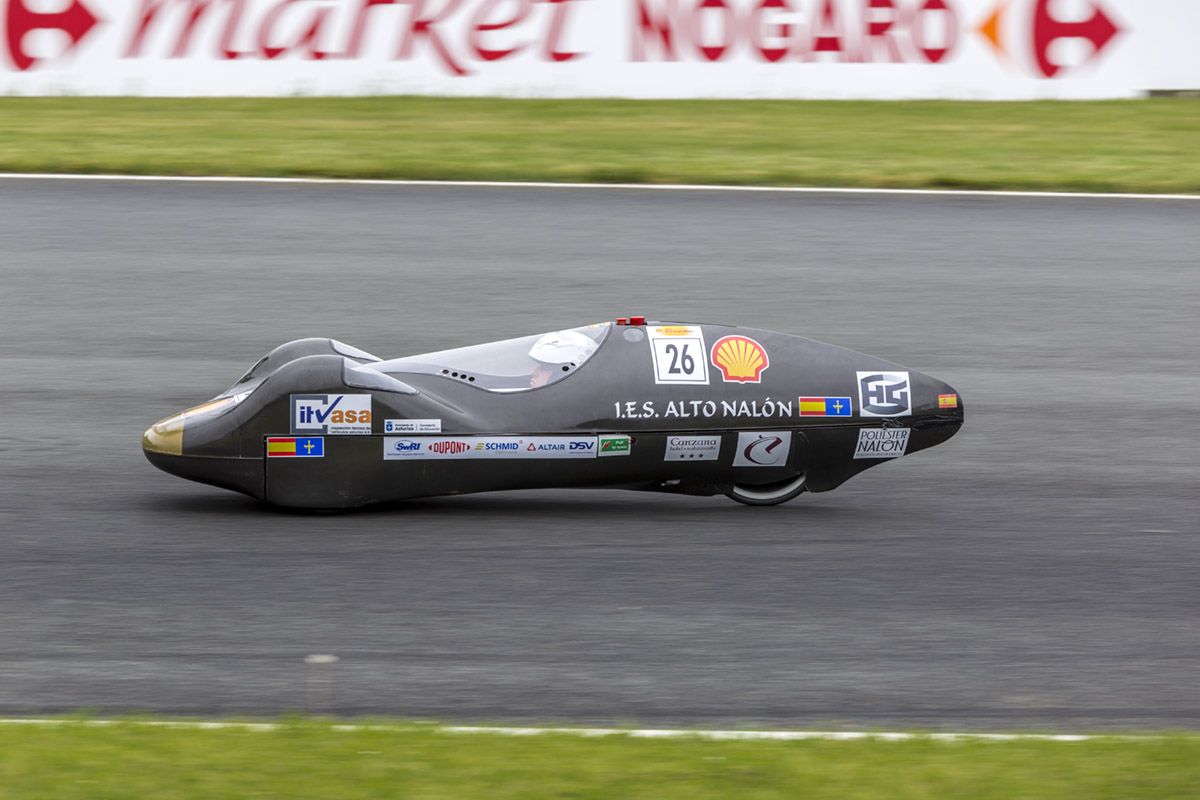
pixel 769 495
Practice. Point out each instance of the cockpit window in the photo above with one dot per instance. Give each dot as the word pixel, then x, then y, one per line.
pixel 512 365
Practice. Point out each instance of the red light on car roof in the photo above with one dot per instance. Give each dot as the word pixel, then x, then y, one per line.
pixel 637 320
pixel 622 321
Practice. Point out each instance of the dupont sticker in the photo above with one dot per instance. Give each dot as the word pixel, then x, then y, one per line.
pixel 614 445
pixel 693 448
pixel 412 426
pixel 331 413
pixel 679 354
pixel 396 448
pixel 881 442
pixel 763 449
pixel 295 447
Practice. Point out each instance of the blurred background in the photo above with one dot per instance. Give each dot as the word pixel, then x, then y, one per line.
pixel 1037 572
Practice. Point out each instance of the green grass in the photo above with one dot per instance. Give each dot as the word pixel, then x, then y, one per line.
pixel 310 760
pixel 1133 145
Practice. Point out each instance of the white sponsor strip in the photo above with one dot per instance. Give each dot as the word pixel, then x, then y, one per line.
pixel 653 187
pixel 633 733
pixel 397 448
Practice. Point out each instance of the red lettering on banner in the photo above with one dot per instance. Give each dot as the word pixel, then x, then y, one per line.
pixel 949 38
pixel 780 32
pixel 879 29
pixel 194 11
pixel 75 21
pixel 554 32
pixel 646 25
pixel 421 26
pixel 310 36
pixel 827 29
pixel 479 27
pixel 714 52
pixel 354 45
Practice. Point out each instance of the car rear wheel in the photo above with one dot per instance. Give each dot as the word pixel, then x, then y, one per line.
pixel 769 495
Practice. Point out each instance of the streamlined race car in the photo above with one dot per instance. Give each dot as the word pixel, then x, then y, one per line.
pixel 660 406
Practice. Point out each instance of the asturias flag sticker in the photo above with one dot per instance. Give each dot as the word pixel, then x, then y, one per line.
pixel 825 407
pixel 295 447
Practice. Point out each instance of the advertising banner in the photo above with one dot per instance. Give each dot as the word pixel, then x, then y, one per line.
pixel 969 49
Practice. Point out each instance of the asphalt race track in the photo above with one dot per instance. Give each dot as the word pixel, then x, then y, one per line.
pixel 1039 571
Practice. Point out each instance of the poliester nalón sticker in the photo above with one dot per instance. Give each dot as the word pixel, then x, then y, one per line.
pixel 331 413
pixel 762 448
pixel 881 442
pixel 884 394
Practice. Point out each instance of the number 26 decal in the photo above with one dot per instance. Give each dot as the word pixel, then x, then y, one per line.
pixel 679 354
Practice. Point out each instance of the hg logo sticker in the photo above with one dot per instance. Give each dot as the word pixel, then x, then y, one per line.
pixel 884 394
pixel 331 413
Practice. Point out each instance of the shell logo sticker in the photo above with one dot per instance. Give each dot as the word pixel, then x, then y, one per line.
pixel 740 359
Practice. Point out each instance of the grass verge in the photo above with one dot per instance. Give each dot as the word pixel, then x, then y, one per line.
pixel 1126 146
pixel 308 759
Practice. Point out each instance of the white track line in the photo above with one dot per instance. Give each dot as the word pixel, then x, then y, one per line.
pixel 633 733
pixel 652 187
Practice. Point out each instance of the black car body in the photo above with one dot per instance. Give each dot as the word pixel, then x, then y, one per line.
pixel 674 407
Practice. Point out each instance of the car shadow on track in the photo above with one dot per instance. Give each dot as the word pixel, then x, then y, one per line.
pixel 612 504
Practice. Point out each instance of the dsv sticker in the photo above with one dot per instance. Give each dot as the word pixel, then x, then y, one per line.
pixel 679 354
pixel 763 448
pixel 884 394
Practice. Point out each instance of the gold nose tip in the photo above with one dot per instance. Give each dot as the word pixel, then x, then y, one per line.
pixel 165 436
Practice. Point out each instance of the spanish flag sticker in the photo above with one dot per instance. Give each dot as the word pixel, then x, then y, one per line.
pixel 295 447
pixel 947 401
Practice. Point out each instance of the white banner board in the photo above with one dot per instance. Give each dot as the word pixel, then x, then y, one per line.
pixel 969 49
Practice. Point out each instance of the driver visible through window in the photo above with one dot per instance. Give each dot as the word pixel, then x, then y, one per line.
pixel 512 365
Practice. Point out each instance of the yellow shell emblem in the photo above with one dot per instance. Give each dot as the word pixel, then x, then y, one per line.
pixel 740 359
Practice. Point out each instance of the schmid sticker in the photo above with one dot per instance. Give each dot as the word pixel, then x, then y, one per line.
pixel 763 449
pixel 461 447
pixel 692 448
pixel 678 354
pixel 881 442
pixel 295 447
pixel 884 394
pixel 412 426
pixel 331 413
pixel 614 446
pixel 825 407
pixel 947 401
pixel 740 359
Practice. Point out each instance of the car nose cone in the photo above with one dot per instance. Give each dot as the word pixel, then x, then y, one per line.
pixel 165 436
